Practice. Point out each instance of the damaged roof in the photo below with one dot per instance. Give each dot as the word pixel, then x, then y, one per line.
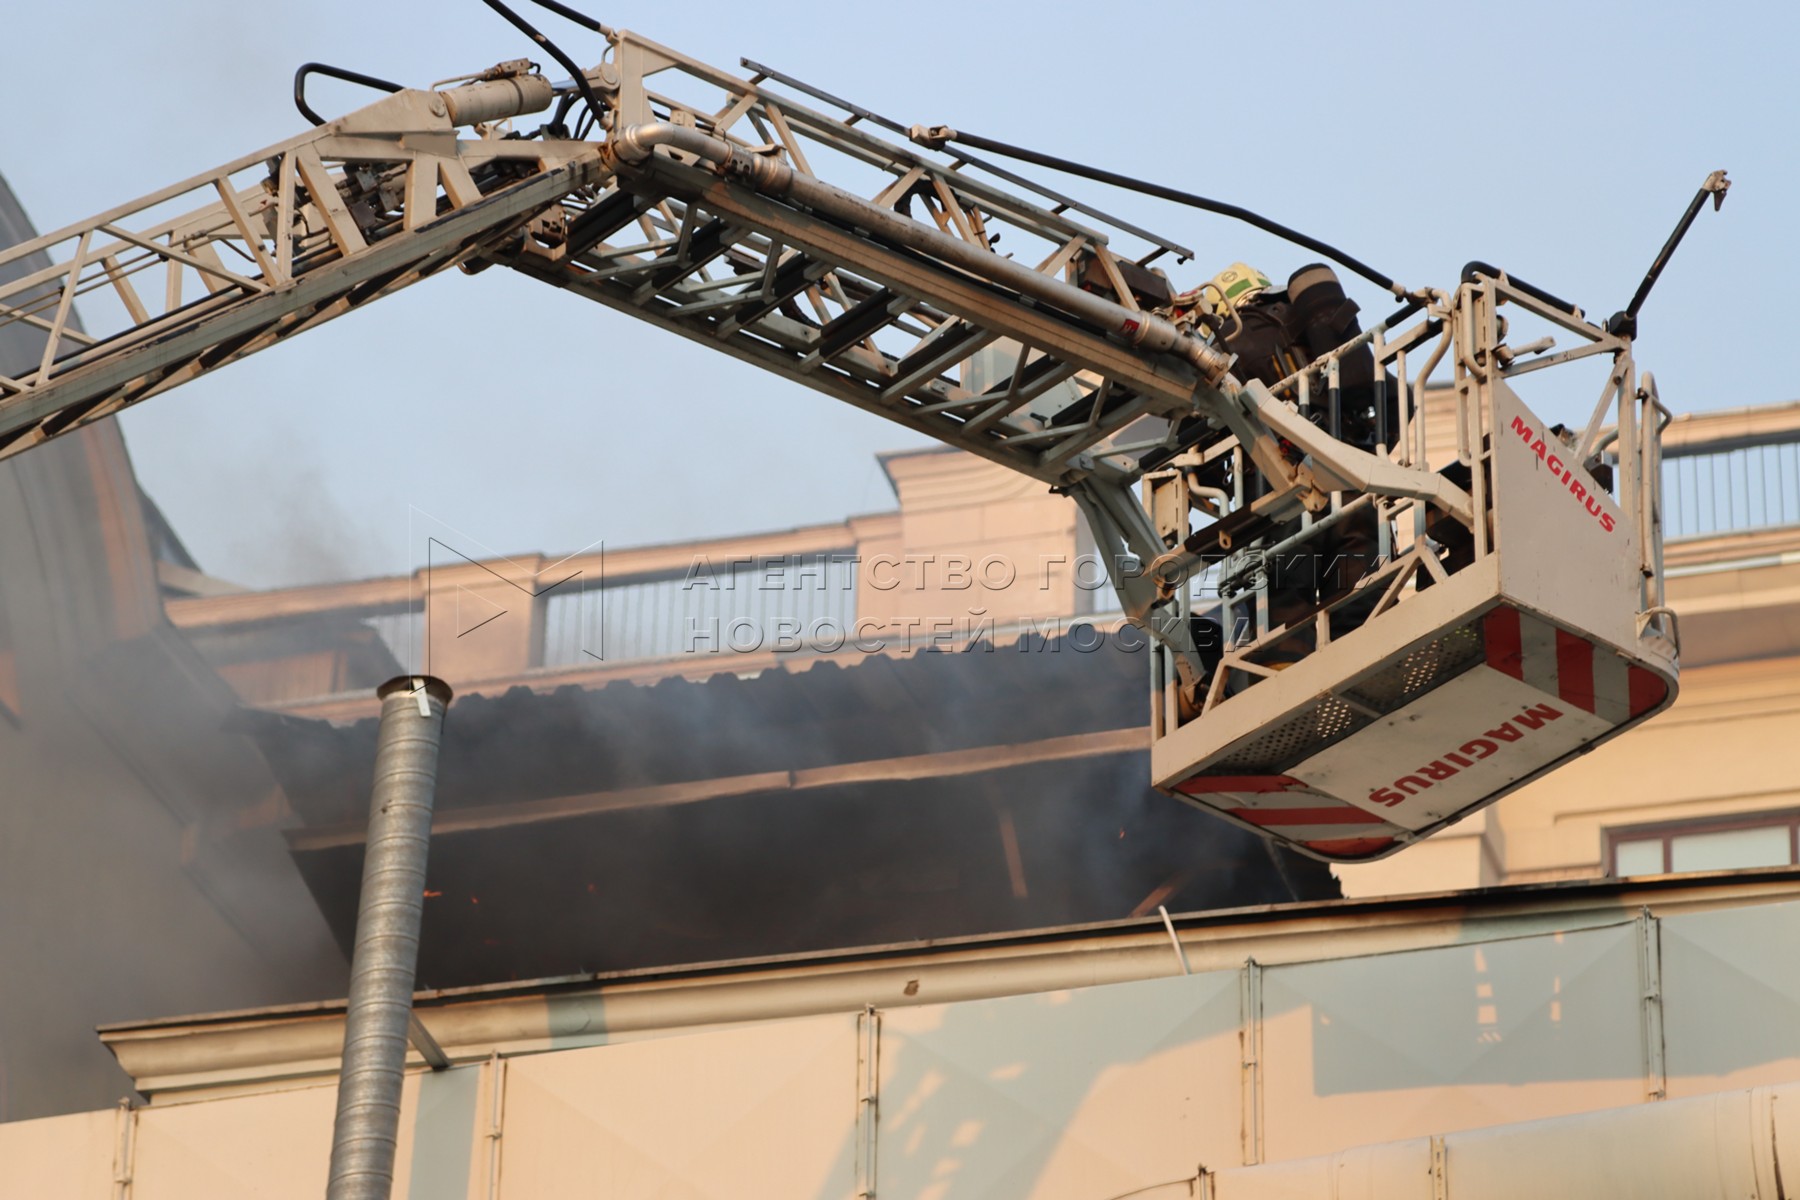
pixel 940 795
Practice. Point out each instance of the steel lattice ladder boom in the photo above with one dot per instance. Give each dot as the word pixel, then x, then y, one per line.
pixel 738 217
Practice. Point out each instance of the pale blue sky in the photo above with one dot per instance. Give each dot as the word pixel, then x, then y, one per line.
pixel 1557 140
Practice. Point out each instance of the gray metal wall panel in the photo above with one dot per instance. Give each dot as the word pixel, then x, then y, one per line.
pixel 1394 1046
pixel 1103 1091
pixel 1731 998
pixel 1073 1094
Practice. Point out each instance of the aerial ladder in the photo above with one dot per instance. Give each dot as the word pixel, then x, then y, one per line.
pixel 1507 616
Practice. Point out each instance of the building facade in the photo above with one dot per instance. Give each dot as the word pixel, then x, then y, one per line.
pixel 975 553
pixel 1629 1039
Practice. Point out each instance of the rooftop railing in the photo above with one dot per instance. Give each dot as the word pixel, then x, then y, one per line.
pixel 784 602
pixel 1727 475
pixel 1732 472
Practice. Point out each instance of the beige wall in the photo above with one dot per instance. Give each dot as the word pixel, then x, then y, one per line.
pixel 975 544
pixel 1461 1019
pixel 1731 744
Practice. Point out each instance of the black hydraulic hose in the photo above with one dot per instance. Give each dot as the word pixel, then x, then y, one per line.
pixel 315 68
pixel 562 109
pixel 567 13
pixel 1715 186
pixel 1400 314
pixel 928 136
pixel 1477 267
pixel 551 48
pixel 806 89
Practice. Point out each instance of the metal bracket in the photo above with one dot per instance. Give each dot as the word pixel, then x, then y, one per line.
pixel 1250 1041
pixel 868 1097
pixel 496 1123
pixel 425 1044
pixel 124 1150
pixel 1649 950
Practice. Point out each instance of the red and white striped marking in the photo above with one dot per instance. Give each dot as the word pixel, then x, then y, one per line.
pixel 1593 678
pixel 1540 694
pixel 1286 809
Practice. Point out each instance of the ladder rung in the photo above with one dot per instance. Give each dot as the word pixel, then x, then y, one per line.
pixel 856 324
pixel 617 210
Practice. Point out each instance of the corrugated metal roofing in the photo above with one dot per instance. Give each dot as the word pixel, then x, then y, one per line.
pixel 524 745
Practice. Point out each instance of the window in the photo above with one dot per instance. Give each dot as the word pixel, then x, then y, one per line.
pixel 1726 844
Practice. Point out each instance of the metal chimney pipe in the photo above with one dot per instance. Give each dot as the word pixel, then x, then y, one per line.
pixel 386 955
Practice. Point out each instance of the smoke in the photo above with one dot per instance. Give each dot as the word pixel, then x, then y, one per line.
pixel 785 870
pixel 140 865
pixel 139 851
pixel 289 528
pixel 313 538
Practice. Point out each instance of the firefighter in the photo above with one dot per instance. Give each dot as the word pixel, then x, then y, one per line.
pixel 1275 332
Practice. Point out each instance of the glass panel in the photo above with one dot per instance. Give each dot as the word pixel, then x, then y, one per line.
pixel 1641 857
pixel 1764 847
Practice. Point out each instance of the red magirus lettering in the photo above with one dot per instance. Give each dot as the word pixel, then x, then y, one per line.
pixel 1466 756
pixel 1563 472
pixel 1535 716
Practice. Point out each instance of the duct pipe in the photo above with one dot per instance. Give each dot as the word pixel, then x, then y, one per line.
pixel 771 177
pixel 386 955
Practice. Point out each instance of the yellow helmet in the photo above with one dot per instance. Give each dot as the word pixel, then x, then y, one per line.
pixel 1236 283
